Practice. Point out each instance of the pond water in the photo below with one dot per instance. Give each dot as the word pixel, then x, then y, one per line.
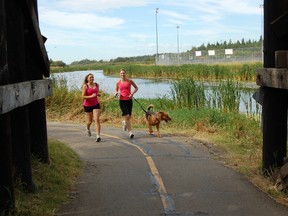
pixel 147 88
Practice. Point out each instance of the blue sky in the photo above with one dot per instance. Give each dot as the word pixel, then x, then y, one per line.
pixel 107 29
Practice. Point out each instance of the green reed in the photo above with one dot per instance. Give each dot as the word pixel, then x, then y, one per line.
pixel 243 72
pixel 224 96
pixel 249 103
pixel 188 93
pixel 63 98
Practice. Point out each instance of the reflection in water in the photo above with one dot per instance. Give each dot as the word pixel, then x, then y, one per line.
pixel 147 88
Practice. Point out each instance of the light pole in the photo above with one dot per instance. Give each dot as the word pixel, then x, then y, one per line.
pixel 261 6
pixel 178 42
pixel 156 59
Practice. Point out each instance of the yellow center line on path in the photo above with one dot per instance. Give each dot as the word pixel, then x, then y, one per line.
pixel 161 187
pixel 166 203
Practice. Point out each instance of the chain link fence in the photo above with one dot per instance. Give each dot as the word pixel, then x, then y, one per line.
pixel 253 54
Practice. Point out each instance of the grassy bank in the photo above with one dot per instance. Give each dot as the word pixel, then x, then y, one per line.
pixel 53 182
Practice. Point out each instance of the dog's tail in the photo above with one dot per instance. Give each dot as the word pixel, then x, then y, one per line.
pixel 148 112
pixel 151 106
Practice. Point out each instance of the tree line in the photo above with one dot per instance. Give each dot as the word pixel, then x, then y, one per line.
pixel 148 59
pixel 229 45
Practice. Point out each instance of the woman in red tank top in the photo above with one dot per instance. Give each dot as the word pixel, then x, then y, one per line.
pixel 90 93
pixel 123 90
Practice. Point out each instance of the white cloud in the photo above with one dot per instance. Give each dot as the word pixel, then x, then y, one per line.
pixel 219 6
pixel 179 16
pixel 240 7
pixel 79 20
pixel 100 5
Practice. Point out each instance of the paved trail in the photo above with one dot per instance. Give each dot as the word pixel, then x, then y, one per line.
pixel 150 176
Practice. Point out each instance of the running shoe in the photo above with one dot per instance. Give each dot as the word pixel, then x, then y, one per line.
pixel 98 139
pixel 131 136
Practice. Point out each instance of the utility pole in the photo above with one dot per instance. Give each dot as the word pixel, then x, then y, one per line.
pixel 156 58
pixel 178 44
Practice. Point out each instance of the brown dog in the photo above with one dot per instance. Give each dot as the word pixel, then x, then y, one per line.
pixel 154 119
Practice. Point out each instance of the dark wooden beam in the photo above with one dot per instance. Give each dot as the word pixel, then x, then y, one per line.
pixel 274 110
pixel 21 139
pixel 272 77
pixel 274 121
pixel 37 65
pixel 274 41
pixel 39 140
pixel 33 18
pixel 23 93
pixel 7 196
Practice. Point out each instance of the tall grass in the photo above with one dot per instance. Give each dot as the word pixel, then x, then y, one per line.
pixel 241 72
pixel 62 99
pixel 224 96
pixel 188 93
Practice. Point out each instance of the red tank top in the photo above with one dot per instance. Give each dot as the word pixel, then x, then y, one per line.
pixel 91 101
pixel 125 89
